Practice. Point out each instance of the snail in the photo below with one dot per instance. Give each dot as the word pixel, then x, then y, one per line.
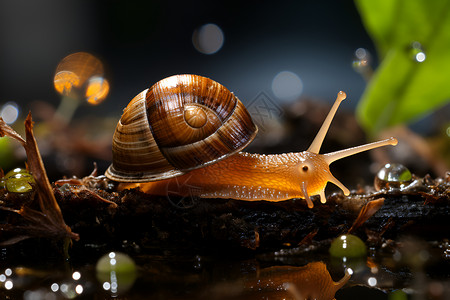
pixel 186 133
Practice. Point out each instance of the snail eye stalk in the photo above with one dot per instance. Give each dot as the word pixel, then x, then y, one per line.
pixel 318 140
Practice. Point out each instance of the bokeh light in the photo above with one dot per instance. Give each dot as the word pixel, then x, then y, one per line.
pixel 417 52
pixel 208 39
pixel 97 90
pixel 54 287
pixel 116 272
pixel 287 86
pixel 9 285
pixel 362 59
pixel 362 63
pixel 76 275
pixel 81 74
pixel 79 289
pixel 64 81
pixel 362 54
pixel 372 281
pixel 420 57
pixel 82 64
pixel 9 112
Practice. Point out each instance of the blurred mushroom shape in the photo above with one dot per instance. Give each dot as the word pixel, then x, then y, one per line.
pixel 75 70
pixel 79 76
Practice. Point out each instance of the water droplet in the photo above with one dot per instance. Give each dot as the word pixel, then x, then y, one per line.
pixel 392 176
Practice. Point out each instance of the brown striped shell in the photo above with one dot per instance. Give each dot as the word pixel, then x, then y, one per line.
pixel 181 123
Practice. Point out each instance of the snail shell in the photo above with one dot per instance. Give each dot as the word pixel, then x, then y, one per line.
pixel 181 123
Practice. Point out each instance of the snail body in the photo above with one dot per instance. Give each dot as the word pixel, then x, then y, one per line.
pixel 185 135
pixel 277 177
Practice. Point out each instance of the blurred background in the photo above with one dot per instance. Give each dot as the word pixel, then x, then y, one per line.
pixel 141 42
pixel 281 51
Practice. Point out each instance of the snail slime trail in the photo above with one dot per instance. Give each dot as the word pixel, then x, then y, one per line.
pixel 185 134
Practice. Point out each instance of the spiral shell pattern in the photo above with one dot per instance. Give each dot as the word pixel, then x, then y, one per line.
pixel 181 123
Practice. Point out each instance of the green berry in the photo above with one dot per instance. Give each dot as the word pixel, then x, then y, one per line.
pixel 19 182
pixel 348 245
pixel 15 171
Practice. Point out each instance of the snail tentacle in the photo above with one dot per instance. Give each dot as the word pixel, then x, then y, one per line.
pixel 318 140
pixel 323 198
pixel 333 156
pixel 306 196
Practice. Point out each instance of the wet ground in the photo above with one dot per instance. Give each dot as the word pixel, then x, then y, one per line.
pixel 214 274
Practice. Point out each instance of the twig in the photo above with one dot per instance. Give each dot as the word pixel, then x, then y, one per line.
pixel 48 222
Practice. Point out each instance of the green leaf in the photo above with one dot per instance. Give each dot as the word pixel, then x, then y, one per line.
pixel 403 89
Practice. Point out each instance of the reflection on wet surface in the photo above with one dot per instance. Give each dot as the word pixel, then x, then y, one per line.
pixel 308 282
pixel 169 274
